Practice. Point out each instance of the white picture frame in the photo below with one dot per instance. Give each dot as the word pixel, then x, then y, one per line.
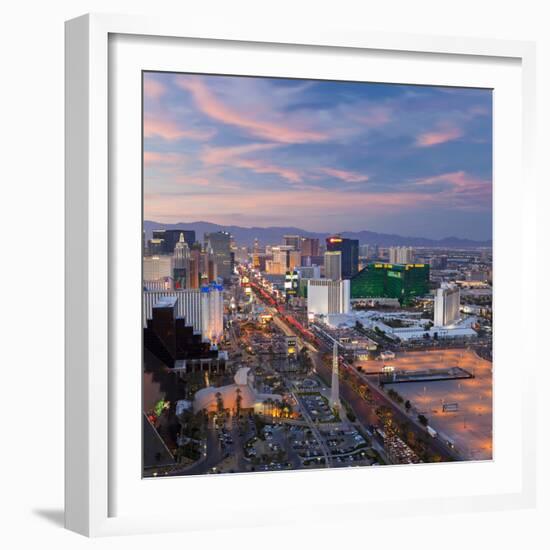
pixel 93 254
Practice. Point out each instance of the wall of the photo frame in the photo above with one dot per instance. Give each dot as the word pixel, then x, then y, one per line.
pixel 32 213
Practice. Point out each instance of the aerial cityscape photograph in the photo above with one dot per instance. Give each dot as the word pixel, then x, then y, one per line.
pixel 317 274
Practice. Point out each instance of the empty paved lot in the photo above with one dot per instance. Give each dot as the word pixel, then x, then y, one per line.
pixel 471 426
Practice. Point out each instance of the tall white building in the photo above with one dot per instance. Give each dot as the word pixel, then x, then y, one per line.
pixel 182 264
pixel 212 313
pixel 202 309
pixel 333 265
pixel 188 305
pixel 181 254
pixel 325 296
pixel 401 255
pixel 163 284
pixel 446 306
pixel 156 268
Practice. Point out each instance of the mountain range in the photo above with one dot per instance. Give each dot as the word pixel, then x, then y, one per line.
pixel 272 235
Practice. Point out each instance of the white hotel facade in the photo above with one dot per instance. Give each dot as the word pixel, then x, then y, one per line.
pixel 326 297
pixel 401 255
pixel 446 306
pixel 202 309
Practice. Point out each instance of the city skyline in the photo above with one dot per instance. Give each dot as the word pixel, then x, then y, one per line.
pixel 317 274
pixel 324 156
pixel 253 231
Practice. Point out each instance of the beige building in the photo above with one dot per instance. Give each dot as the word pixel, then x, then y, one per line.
pixel 274 268
pixel 401 255
pixel 333 265
pixel 156 268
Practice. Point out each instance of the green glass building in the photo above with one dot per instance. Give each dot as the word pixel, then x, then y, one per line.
pixel 402 281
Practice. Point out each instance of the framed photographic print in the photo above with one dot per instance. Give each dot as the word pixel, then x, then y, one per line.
pixel 276 337
pixel 286 257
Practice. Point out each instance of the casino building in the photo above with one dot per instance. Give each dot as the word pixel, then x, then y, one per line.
pixel 326 297
pixel 201 308
pixel 349 248
pixel 401 281
pixel 169 340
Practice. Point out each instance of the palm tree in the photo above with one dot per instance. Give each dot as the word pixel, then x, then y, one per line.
pixel 219 402
pixel 238 401
pixel 287 408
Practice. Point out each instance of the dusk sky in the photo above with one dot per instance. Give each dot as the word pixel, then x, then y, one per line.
pixel 318 155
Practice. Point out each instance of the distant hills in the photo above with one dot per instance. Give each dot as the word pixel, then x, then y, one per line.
pixel 272 235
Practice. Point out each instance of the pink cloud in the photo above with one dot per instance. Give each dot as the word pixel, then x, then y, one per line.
pixel 459 179
pixel 153 89
pixel 345 175
pixel 468 190
pixel 428 139
pixel 376 116
pixel 221 155
pixel 157 158
pixel 235 157
pixel 211 106
pixel 192 180
pixel 169 130
pixel 262 167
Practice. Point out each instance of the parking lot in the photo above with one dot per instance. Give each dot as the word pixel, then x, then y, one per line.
pixel 347 447
pixel 317 407
pixel 461 411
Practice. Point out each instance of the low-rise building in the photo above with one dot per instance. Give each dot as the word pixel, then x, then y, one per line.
pixel 241 394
